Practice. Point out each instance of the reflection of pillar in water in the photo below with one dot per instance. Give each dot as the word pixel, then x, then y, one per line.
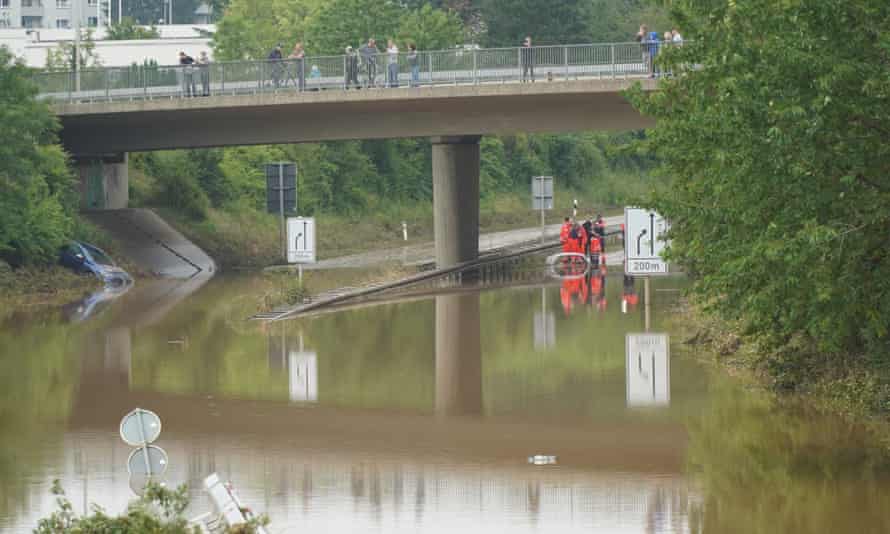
pixel 420 499
pixel 458 355
pixel 357 480
pixel 534 500
pixel 307 487
pixel 118 354
pixel 375 493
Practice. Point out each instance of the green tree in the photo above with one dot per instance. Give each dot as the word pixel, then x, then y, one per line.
pixel 128 30
pixel 777 155
pixel 546 21
pixel 62 57
pixel 36 188
pixel 339 23
pixel 250 29
pixel 431 29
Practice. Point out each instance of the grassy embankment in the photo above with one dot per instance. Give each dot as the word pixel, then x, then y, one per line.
pixel 250 239
pixel 855 387
pixel 34 287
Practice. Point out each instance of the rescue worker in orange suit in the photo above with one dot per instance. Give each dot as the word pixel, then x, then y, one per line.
pixel 580 239
pixel 595 250
pixel 564 233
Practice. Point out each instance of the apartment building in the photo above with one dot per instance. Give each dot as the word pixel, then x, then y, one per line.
pixel 53 14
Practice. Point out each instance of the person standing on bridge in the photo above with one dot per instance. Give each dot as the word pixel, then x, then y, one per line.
pixel 368 53
pixel 351 63
pixel 188 74
pixel 297 56
pixel 643 39
pixel 275 65
pixel 392 52
pixel 414 64
pixel 527 58
pixel 204 69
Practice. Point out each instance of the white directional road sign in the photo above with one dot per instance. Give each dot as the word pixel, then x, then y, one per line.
pixel 542 192
pixel 140 427
pixel 648 369
pixel 301 240
pixel 643 242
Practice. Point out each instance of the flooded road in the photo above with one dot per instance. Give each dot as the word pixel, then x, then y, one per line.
pixel 420 415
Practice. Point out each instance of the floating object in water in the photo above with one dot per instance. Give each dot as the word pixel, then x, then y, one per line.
pixel 540 459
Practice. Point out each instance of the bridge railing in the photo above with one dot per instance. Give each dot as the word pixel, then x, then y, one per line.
pixel 430 68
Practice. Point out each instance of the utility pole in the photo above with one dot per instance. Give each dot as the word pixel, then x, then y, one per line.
pixel 76 8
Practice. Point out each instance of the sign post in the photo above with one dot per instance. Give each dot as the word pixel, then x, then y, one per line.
pixel 644 242
pixel 281 194
pixel 300 241
pixel 139 429
pixel 542 196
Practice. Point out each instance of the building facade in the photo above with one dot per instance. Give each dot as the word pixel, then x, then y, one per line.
pixel 53 14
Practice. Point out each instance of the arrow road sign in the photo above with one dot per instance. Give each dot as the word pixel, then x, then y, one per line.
pixel 301 240
pixel 645 230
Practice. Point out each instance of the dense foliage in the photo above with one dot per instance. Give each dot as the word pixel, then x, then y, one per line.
pixel 127 29
pixel 36 187
pixel 776 148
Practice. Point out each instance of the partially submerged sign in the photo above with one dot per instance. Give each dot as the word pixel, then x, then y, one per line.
pixel 644 241
pixel 147 461
pixel 140 427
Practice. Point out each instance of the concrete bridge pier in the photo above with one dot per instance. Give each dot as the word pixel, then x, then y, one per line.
pixel 458 355
pixel 104 181
pixel 456 198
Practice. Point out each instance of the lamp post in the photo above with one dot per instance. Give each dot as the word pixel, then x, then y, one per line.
pixel 75 7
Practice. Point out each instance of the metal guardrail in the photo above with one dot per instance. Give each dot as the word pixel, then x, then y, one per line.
pixel 434 68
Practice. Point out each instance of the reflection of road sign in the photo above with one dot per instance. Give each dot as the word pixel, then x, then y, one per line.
pixel 643 242
pixel 648 369
pixel 542 192
pixel 545 330
pixel 140 427
pixel 301 240
pixel 281 178
pixel 147 461
pixel 303 376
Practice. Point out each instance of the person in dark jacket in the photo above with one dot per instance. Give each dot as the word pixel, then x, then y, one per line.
pixel 352 62
pixel 276 68
pixel 188 74
pixel 369 53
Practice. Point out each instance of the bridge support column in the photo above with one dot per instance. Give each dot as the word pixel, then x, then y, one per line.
pixel 104 181
pixel 458 355
pixel 456 199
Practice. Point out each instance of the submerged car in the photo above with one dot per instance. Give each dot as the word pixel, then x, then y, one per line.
pixel 86 258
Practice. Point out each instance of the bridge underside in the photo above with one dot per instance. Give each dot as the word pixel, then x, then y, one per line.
pixel 453 116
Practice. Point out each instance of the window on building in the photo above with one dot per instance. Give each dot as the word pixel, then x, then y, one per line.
pixel 32 22
pixel 92 2
pixel 92 22
pixel 32 3
pixel 62 24
pixel 63 4
pixel 4 4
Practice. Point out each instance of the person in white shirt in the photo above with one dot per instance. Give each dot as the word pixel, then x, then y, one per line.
pixel 393 52
pixel 676 38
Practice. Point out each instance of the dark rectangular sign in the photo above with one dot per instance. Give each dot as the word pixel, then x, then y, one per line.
pixel 275 187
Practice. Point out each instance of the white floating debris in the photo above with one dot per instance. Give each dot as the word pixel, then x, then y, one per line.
pixel 540 459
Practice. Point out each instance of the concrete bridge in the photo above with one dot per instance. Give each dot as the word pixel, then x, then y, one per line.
pixel 454 105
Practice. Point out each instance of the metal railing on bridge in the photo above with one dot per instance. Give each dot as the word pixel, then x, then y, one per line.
pixel 322 73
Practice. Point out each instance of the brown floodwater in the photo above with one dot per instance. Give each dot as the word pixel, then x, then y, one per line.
pixel 420 414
